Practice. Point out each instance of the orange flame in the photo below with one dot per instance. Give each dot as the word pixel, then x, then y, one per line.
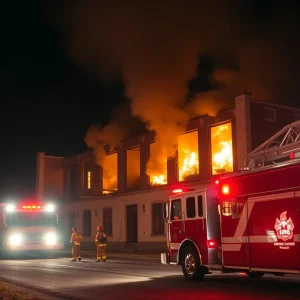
pixel 110 174
pixel 158 179
pixel 157 164
pixel 188 160
pixel 221 146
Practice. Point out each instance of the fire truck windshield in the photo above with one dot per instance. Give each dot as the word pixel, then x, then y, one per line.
pixel 30 219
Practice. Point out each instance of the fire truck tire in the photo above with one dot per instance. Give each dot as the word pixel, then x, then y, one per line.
pixel 190 264
pixel 255 274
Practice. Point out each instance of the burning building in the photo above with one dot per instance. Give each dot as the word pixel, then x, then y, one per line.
pixel 126 193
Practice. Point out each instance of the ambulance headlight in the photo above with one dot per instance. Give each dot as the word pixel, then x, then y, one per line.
pixel 15 240
pixel 10 208
pixel 51 238
pixel 50 208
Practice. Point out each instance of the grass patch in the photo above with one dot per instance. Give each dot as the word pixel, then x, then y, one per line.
pixel 12 292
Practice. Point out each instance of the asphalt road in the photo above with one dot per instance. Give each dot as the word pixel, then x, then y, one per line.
pixel 138 280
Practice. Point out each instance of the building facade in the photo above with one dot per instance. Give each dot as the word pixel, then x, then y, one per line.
pixel 127 200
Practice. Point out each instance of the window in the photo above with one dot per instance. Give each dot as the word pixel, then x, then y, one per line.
pixel 188 156
pixel 176 213
pixel 89 182
pixel 87 223
pixel 107 220
pixel 200 206
pixel 226 209
pixel 221 149
pixel 73 180
pixel 232 208
pixel 133 165
pixel 190 207
pixel 110 174
pixel 270 114
pixel 158 226
pixel 157 166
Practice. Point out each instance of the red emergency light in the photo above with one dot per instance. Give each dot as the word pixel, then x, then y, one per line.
pixel 211 244
pixel 294 155
pixel 176 191
pixel 225 189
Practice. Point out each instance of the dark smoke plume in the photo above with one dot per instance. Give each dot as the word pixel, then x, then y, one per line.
pixel 157 44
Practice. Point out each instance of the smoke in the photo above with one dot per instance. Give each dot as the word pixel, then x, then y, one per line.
pixel 99 138
pixel 157 43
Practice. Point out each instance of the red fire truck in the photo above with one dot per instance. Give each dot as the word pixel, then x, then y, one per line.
pixel 28 226
pixel 248 221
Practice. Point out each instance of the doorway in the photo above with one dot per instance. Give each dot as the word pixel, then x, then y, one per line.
pixel 132 223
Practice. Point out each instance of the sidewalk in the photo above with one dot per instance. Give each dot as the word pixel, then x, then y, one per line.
pixel 153 257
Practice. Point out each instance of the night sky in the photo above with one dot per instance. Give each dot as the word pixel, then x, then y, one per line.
pixel 65 64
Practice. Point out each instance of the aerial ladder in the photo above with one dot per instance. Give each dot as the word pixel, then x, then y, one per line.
pixel 281 147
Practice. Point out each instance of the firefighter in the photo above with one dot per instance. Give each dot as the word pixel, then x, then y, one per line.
pixel 75 240
pixel 101 241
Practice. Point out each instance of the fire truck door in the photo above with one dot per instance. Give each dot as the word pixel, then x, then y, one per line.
pixel 234 233
pixel 177 234
pixel 273 227
pixel 195 223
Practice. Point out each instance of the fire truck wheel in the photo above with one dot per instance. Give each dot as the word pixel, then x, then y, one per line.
pixel 255 274
pixel 190 263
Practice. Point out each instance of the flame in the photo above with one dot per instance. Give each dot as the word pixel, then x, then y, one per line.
pixel 221 145
pixel 158 179
pixel 188 160
pixel 157 164
pixel 110 174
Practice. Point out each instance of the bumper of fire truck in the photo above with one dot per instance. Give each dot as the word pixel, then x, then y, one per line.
pixel 165 258
pixel 32 247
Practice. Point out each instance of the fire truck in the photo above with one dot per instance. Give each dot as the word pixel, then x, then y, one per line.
pixel 248 221
pixel 29 227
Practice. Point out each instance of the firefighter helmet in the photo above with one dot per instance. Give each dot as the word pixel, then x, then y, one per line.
pixel 99 228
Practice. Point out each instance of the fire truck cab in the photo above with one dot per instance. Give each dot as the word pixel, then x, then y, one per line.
pixel 193 231
pixel 248 222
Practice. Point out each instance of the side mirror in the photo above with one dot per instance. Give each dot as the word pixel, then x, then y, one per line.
pixel 166 210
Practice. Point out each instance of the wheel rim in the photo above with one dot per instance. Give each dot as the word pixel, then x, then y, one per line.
pixel 189 264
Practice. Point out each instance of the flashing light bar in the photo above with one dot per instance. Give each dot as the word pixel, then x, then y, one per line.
pixel 48 207
pixel 31 207
pixel 181 190
pixel 176 191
